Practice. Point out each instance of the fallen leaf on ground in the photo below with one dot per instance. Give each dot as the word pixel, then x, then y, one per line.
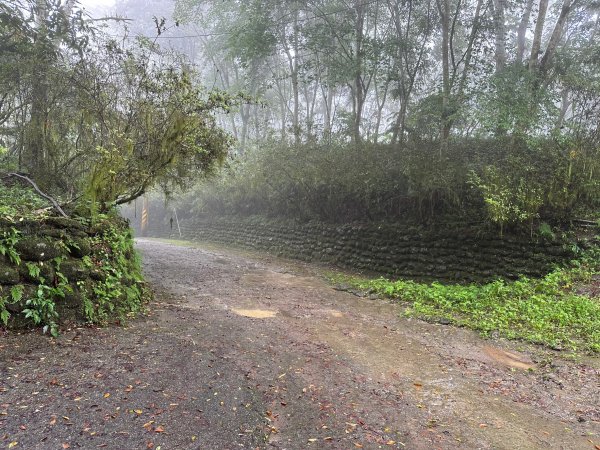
pixel 159 429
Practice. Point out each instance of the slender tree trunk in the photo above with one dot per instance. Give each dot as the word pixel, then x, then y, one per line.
pixel 565 104
pixel 469 52
pixel 556 36
pixel 380 106
pixel 444 10
pixel 537 37
pixel 358 88
pixel 295 89
pixel 522 31
pixel 328 95
pixel 35 143
pixel 500 35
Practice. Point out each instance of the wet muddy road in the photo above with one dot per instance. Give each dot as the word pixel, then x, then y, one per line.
pixel 247 351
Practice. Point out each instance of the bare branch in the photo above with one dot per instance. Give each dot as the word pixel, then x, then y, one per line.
pixel 37 189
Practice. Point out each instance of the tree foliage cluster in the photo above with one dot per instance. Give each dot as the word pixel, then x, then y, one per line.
pixel 387 108
pixel 477 181
pixel 97 120
pixel 388 70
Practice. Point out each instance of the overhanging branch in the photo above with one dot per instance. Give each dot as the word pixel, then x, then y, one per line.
pixel 40 193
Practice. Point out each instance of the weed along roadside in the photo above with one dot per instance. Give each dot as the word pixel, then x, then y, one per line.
pixel 555 310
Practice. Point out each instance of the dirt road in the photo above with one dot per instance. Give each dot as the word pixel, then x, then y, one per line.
pixel 244 351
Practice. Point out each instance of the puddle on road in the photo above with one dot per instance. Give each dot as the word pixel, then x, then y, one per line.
pixel 255 313
pixel 509 359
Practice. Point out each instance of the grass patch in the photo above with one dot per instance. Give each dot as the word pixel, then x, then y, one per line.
pixel 547 311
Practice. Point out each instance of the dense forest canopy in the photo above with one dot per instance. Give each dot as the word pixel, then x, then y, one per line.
pixel 357 109
pixel 386 70
pixel 380 109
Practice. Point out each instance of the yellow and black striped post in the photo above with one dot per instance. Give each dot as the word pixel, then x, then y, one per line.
pixel 144 227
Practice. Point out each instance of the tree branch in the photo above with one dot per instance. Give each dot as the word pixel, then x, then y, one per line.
pixel 37 189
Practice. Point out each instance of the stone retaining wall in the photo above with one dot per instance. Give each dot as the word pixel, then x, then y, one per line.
pixel 388 249
pixel 56 247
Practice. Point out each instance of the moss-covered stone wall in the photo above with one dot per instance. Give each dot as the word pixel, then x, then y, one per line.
pixel 465 254
pixel 57 269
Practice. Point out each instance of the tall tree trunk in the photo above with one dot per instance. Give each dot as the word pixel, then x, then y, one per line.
pixel 500 35
pixel 469 51
pixel 358 88
pixel 328 95
pixel 537 37
pixel 444 10
pixel 380 105
pixel 522 31
pixel 556 36
pixel 35 142
pixel 564 107
pixel 294 68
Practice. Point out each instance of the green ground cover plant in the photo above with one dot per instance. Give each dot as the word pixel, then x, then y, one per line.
pixel 554 311
pixel 113 291
pixel 20 202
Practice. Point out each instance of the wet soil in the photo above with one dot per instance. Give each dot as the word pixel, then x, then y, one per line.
pixel 247 351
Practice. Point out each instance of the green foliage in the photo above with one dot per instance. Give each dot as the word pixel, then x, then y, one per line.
pixel 509 104
pixel 545 231
pixel 17 202
pixel 121 292
pixel 41 307
pixel 491 181
pixel 170 137
pixel 99 119
pixel 547 311
pixel 507 200
pixel 8 240
pixel 15 296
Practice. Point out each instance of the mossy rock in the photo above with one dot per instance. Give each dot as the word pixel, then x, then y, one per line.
pixel 97 275
pixel 36 248
pixel 73 299
pixel 47 272
pixel 74 270
pixel 9 274
pixel 79 247
pixel 65 223
pixel 54 233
